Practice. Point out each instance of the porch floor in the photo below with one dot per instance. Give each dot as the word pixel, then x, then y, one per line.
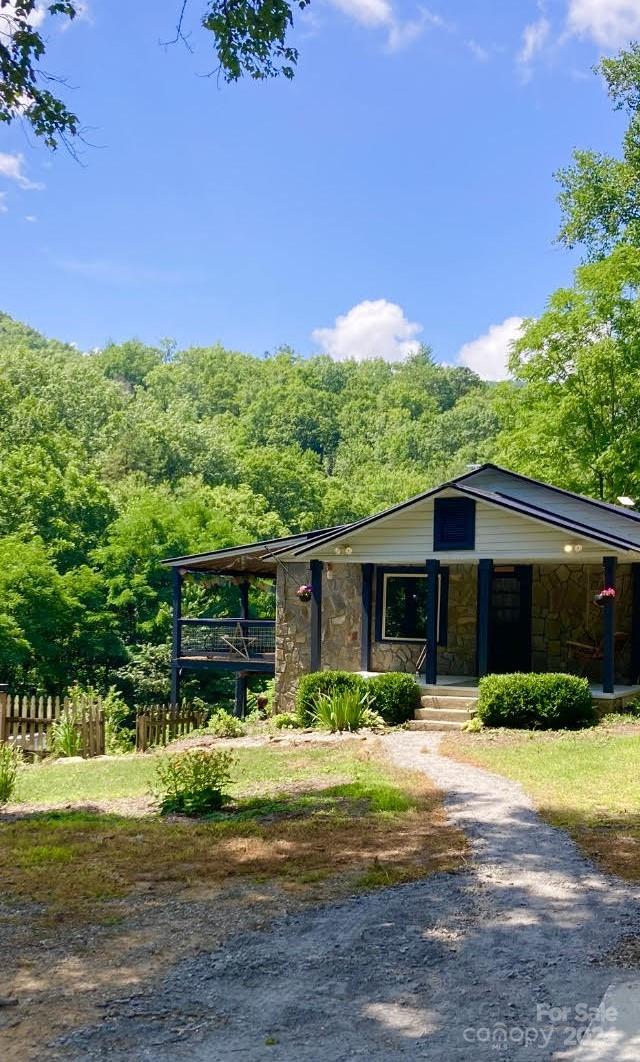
pixel 469 683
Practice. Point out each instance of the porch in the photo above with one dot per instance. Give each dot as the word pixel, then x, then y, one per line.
pixel 472 618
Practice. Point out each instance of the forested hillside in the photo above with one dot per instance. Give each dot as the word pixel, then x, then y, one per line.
pixel 115 459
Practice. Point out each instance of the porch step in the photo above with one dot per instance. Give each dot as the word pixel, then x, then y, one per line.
pixel 468 692
pixel 433 724
pixel 465 703
pixel 452 715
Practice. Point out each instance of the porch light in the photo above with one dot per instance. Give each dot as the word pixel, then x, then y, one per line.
pixel 337 550
pixel 572 547
pixel 348 550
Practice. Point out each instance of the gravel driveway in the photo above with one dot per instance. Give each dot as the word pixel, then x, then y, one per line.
pixel 440 969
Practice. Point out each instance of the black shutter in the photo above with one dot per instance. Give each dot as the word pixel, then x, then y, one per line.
pixel 454 523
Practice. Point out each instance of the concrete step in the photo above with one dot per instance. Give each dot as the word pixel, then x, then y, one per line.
pixel 441 701
pixel 433 724
pixel 454 715
pixel 448 691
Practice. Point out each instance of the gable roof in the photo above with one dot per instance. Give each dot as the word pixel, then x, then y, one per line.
pixel 544 514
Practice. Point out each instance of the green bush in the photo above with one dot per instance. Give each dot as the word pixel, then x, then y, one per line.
pixel 341 710
pixel 285 721
pixel 193 782
pixel 225 725
pixel 535 702
pixel 395 696
pixel 10 760
pixel 326 683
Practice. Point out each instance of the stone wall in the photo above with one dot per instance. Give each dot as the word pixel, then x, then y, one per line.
pixel 458 656
pixel 341 596
pixel 563 611
pixel 293 646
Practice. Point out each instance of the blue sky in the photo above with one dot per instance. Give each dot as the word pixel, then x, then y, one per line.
pixel 398 190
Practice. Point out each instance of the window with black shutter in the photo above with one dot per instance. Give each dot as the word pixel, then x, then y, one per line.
pixel 454 523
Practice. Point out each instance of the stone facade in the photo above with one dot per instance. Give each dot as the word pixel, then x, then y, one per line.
pixel 562 611
pixel 293 649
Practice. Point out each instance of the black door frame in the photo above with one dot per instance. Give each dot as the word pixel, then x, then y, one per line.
pixel 524 573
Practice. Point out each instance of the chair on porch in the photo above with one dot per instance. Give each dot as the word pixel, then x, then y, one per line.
pixel 586 653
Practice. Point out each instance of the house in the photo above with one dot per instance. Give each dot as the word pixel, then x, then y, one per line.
pixel 492 572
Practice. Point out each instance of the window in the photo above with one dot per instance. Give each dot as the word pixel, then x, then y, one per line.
pixel 401 605
pixel 454 523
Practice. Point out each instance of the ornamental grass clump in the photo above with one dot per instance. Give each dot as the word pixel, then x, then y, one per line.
pixel 66 736
pixel 343 710
pixel 193 782
pixel 10 762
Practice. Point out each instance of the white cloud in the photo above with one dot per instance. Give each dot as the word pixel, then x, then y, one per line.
pixel 380 14
pixel 35 18
pixel 477 51
pixel 534 38
pixel 488 354
pixel 4 209
pixel 11 167
pixel 30 217
pixel 611 23
pixel 374 328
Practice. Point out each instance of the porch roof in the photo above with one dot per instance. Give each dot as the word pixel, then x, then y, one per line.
pixel 254 558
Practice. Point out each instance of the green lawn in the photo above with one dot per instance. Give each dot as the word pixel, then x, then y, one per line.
pixel 587 782
pixel 131 776
pixel 334 817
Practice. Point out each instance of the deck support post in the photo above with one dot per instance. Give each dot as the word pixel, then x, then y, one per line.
pixel 365 617
pixel 315 618
pixel 176 638
pixel 608 627
pixel 635 624
pixel 431 634
pixel 241 694
pixel 485 577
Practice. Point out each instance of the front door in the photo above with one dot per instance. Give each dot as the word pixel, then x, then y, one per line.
pixel 510 619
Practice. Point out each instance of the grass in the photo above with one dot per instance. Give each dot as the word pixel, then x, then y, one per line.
pixel 586 781
pixel 311 819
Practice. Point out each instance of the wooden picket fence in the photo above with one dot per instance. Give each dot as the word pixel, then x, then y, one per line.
pixel 160 723
pixel 26 722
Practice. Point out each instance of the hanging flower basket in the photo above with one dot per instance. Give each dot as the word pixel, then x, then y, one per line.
pixel 304 592
pixel 607 594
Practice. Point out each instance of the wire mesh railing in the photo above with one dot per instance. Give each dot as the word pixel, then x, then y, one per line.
pixel 232 638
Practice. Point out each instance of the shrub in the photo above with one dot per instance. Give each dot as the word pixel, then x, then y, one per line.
pixel 10 760
pixel 225 725
pixel 341 710
pixel 193 782
pixel 66 739
pixel 535 702
pixel 285 721
pixel 395 696
pixel 327 683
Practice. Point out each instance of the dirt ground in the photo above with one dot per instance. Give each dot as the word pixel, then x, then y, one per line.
pixel 69 974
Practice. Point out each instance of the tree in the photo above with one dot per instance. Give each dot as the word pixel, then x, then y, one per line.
pixel 575 419
pixel 250 38
pixel 600 195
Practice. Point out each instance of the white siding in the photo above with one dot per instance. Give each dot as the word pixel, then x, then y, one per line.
pixel 605 520
pixel 407 537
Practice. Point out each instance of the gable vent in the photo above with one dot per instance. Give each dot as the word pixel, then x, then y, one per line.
pixel 454 525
